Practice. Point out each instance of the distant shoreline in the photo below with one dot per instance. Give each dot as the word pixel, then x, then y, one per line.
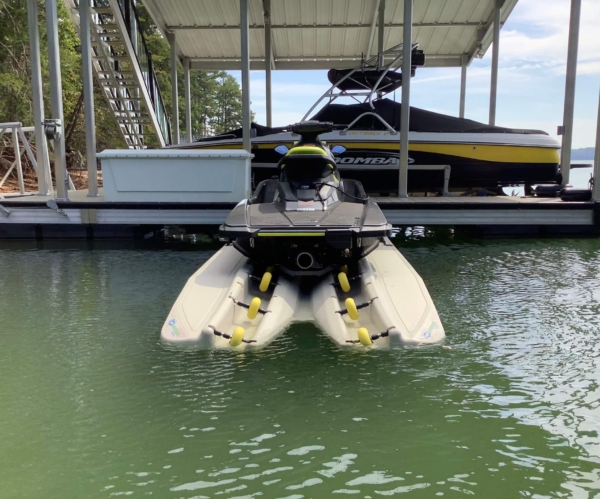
pixel 584 153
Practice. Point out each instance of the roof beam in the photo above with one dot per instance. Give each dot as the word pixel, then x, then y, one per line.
pixel 483 40
pixel 328 26
pixel 373 28
pixel 305 63
pixel 268 27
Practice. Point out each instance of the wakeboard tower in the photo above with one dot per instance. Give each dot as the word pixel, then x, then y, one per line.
pixel 308 245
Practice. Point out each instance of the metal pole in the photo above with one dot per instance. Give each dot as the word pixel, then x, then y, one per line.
pixel 463 85
pixel 268 60
pixel 381 33
pixel 405 110
pixel 43 171
pixel 495 55
pixel 567 139
pixel 174 92
pixel 15 138
pixel 188 101
pixel 596 188
pixel 245 49
pixel 88 97
pixel 56 96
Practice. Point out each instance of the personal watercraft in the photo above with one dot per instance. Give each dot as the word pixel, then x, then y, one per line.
pixel 479 155
pixel 307 246
pixel 307 218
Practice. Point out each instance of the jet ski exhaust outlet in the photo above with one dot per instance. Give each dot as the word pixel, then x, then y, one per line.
pixel 305 260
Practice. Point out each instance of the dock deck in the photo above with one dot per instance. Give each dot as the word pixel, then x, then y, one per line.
pixel 29 217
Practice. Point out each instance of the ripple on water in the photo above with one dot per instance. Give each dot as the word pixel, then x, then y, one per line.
pixel 510 410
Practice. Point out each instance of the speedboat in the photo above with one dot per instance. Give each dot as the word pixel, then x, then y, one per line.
pixel 368 139
pixel 307 246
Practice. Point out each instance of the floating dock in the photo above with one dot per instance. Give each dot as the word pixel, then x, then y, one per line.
pixel 84 217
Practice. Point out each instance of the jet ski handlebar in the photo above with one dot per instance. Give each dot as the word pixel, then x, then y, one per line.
pixel 310 130
pixel 312 126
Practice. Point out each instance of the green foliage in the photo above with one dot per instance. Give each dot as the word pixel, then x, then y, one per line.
pixel 216 95
pixel 15 78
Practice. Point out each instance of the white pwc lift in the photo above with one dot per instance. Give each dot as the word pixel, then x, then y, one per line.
pixel 307 229
pixel 223 305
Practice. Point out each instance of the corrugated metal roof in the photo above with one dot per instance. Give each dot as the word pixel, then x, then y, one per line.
pixel 320 34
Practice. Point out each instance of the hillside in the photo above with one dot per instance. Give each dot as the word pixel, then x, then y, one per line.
pixel 583 153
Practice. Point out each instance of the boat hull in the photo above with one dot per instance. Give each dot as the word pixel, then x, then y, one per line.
pixel 372 157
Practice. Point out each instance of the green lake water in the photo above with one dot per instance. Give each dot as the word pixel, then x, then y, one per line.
pixel 93 405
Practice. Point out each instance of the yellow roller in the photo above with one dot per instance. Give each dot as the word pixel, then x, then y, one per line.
pixel 254 306
pixel 344 283
pixel 352 310
pixel 364 337
pixel 237 336
pixel 344 269
pixel 265 281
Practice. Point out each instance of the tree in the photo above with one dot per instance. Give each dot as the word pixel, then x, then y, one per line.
pixel 216 95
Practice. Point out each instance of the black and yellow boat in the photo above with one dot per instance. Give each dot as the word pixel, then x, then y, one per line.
pixel 367 138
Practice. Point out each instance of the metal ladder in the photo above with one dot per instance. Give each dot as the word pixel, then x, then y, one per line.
pixel 123 68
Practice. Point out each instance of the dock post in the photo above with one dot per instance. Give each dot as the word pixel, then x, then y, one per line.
pixel 463 85
pixel 567 138
pixel 268 60
pixel 56 96
pixel 381 32
pixel 188 101
pixel 405 110
pixel 245 50
pixel 41 147
pixel 174 91
pixel 495 57
pixel 596 187
pixel 88 97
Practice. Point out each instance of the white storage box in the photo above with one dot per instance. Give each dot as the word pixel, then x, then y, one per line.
pixel 175 175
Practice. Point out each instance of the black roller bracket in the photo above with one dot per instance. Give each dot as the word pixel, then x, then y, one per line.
pixel 246 306
pixel 228 336
pixel 374 337
pixel 259 279
pixel 358 307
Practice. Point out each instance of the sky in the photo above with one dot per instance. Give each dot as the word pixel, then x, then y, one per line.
pixel 531 85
